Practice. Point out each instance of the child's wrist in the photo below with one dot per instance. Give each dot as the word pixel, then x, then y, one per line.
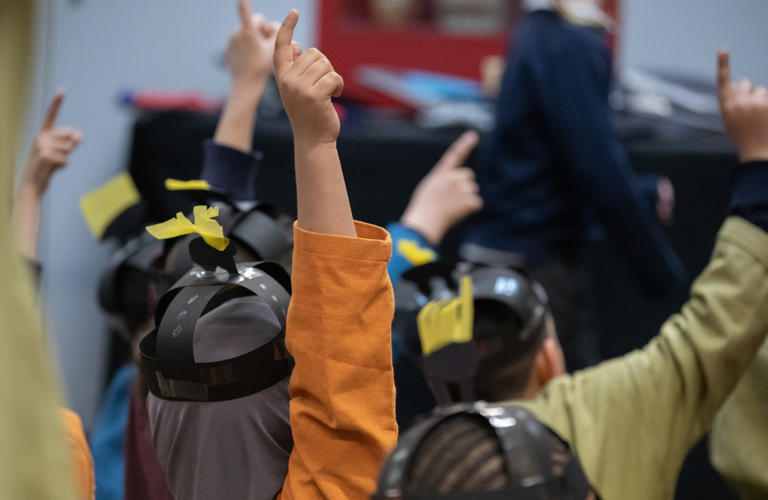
pixel 432 231
pixel 29 188
pixel 306 144
pixel 248 93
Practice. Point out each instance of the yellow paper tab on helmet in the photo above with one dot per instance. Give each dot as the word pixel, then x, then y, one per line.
pixel 204 225
pixel 415 254
pixel 102 205
pixel 445 322
pixel 177 185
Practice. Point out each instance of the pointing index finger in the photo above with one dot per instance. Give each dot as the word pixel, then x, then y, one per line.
pixel 245 13
pixel 458 152
pixel 53 111
pixel 723 73
pixel 283 50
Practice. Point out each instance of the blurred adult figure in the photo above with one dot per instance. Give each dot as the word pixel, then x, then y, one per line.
pixel 554 165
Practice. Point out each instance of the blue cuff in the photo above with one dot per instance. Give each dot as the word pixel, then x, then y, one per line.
pixel 232 170
pixel 750 193
pixel 400 263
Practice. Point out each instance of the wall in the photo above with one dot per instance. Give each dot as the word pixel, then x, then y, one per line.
pixel 686 34
pixel 97 47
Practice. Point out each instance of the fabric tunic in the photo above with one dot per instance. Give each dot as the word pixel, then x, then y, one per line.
pixel 632 420
pixel 342 388
pixel 738 442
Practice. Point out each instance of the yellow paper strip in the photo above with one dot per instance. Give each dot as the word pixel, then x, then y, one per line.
pixel 445 322
pixel 102 206
pixel 414 254
pixel 177 185
pixel 204 225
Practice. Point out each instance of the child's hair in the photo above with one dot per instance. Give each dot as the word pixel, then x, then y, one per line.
pixel 493 321
pixel 464 455
pixel 461 455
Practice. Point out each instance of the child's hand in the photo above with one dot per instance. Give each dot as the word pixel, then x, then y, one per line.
pixel 745 113
pixel 50 151
pixel 307 82
pixel 251 49
pixel 447 194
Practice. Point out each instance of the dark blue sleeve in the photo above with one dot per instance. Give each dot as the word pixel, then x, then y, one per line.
pixel 573 89
pixel 649 186
pixel 750 193
pixel 409 249
pixel 232 170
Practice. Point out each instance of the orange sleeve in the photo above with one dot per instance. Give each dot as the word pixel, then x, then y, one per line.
pixel 342 388
pixel 82 461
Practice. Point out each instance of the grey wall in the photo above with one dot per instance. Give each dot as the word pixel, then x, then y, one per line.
pixel 686 34
pixel 97 47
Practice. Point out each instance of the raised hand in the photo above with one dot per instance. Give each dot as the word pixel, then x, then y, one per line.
pixel 250 49
pixel 249 57
pixel 50 151
pixel 447 194
pixel 745 113
pixel 307 82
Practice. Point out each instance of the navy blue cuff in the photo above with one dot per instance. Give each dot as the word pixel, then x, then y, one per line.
pixel 231 170
pixel 750 193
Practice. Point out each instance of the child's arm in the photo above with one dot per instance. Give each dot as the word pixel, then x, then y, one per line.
pixel 49 153
pixel 307 83
pixel 249 58
pixel 643 412
pixel 444 197
pixel 338 327
pixel 228 161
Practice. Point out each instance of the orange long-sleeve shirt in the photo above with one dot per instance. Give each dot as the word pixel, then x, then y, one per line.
pixel 342 388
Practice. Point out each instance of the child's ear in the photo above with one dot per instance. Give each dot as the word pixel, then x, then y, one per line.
pixel 549 361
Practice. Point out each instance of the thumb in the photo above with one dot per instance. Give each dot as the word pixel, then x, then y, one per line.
pixel 458 152
pixel 284 51
pixel 53 111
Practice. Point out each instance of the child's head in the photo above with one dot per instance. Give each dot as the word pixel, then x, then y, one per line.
pixel 124 287
pixel 475 449
pixel 237 448
pixel 218 371
pixel 516 345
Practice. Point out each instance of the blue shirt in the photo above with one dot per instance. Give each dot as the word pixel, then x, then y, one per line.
pixel 108 436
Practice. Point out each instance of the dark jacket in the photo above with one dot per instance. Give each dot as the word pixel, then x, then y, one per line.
pixel 555 155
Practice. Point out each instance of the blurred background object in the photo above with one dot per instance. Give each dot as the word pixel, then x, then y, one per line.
pixel 476 16
pixel 394 13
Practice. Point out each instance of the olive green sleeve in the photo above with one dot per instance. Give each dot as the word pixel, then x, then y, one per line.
pixel 632 420
pixel 738 442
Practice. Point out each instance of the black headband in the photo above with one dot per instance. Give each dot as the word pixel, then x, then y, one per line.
pixel 167 353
